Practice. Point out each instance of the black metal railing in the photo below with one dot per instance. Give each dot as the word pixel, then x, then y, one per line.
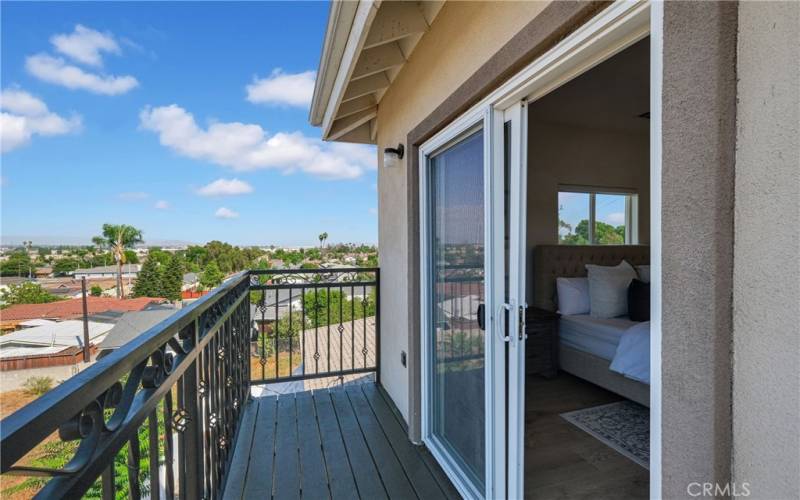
pixel 315 323
pixel 158 417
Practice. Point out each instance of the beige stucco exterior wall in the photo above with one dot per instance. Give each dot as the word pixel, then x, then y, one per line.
pixel 697 198
pixel 463 36
pixel 766 293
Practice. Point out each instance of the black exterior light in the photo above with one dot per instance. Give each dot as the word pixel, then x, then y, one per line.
pixel 392 156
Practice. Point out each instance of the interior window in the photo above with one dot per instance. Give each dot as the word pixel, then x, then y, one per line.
pixel 596 217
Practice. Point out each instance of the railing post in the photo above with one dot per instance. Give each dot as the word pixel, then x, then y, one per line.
pixel 378 326
pixel 193 434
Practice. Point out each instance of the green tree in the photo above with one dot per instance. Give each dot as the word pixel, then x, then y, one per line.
pixel 131 257
pixel 26 293
pixel 211 276
pixel 172 278
pixel 120 237
pixel 18 264
pixel 604 234
pixel 63 267
pixel 148 283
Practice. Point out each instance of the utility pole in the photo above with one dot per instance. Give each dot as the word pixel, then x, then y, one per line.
pixel 85 321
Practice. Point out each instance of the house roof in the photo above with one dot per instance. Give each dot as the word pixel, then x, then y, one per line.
pixel 63 333
pixel 36 322
pixel 133 324
pixel 73 308
pixel 126 268
pixel 190 278
pixel 366 45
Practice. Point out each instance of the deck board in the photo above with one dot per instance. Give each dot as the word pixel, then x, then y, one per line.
pixel 394 477
pixel 287 457
pixel 241 457
pixel 368 479
pixel 422 479
pixel 258 481
pixel 314 477
pixel 338 443
pixel 340 474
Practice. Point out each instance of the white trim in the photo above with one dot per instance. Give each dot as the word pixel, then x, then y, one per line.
pixel 465 127
pixel 656 79
pixel 365 14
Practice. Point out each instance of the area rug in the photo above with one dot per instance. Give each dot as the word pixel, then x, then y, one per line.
pixel 624 426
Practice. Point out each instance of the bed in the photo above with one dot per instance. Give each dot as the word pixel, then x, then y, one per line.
pixel 587 345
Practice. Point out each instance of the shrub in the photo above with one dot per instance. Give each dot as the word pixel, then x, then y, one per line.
pixel 96 291
pixel 38 385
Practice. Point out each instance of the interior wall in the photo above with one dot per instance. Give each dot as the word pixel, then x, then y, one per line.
pixel 567 154
pixel 697 199
pixel 766 293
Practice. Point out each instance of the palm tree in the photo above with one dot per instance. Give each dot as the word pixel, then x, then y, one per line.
pixel 119 237
pixel 322 238
pixel 28 244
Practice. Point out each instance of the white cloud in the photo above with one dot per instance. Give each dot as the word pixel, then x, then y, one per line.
pixel 225 187
pixel 133 196
pixel 615 218
pixel 24 116
pixel 85 45
pixel 246 147
pixel 226 213
pixel 161 205
pixel 57 71
pixel 373 211
pixel 293 89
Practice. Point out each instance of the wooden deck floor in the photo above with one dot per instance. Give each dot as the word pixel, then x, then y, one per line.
pixel 341 443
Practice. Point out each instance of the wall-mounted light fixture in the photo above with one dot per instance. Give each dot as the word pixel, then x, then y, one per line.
pixel 392 156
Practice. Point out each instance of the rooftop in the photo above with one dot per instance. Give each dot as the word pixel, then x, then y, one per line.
pixel 73 308
pixel 126 268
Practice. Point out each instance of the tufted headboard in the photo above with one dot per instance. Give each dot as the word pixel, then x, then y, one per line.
pixel 553 261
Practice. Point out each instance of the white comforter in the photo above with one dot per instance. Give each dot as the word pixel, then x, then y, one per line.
pixel 633 353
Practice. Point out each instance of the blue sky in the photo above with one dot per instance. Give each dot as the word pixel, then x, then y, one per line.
pixel 187 120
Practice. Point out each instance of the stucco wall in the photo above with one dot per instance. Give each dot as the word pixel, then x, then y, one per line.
pixel 463 36
pixel 766 294
pixel 698 149
pixel 563 154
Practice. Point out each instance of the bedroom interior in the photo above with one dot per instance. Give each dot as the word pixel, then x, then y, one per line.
pixel 588 345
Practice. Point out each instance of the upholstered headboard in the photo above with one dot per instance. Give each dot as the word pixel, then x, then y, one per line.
pixel 553 261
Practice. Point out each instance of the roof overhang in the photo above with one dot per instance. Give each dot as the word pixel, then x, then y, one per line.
pixel 366 45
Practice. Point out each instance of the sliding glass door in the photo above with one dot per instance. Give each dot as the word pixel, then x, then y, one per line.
pixel 456 340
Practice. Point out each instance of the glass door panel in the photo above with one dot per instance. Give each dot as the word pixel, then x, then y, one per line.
pixel 457 279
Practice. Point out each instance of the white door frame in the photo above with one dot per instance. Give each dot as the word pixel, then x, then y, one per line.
pixel 614 29
pixel 454 132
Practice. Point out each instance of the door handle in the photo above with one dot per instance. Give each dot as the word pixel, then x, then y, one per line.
pixel 501 315
pixel 482 316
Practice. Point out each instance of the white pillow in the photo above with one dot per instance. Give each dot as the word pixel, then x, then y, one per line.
pixel 608 289
pixel 644 273
pixel 573 295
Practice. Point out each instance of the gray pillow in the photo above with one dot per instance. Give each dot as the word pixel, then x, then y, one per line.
pixel 608 289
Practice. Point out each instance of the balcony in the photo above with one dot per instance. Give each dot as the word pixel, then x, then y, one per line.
pixel 173 412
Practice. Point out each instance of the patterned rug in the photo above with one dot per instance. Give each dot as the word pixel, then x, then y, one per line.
pixel 624 426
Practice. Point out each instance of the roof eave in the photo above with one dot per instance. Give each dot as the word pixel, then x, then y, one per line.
pixel 340 21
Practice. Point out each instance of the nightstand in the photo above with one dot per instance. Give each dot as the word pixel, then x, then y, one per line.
pixel 541 347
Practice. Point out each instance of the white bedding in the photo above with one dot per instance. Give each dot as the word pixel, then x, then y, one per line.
pixel 624 342
pixel 598 336
pixel 633 353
